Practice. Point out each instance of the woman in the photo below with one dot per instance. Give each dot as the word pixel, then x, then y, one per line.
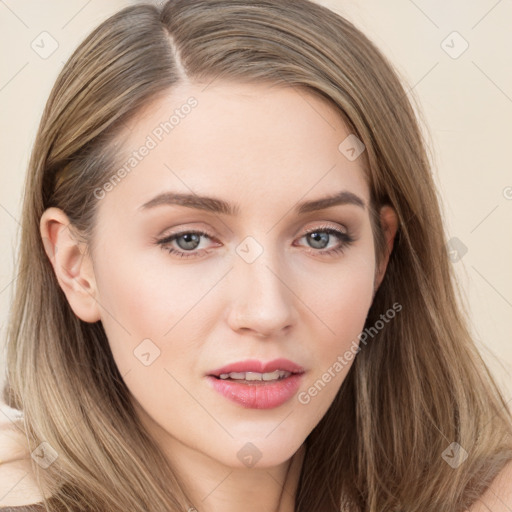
pixel 233 287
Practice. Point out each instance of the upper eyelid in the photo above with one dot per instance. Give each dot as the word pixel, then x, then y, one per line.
pixel 324 224
pixel 342 229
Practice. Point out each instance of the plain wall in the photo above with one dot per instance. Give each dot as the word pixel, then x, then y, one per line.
pixel 465 98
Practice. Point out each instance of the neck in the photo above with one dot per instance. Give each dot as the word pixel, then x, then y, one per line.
pixel 214 487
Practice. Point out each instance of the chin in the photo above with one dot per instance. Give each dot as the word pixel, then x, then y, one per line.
pixel 258 453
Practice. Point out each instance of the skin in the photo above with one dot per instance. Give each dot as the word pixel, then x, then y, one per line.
pixel 265 148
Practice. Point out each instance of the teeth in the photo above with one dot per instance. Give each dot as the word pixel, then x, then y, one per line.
pixel 276 375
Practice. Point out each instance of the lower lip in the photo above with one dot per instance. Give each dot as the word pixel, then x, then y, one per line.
pixel 262 395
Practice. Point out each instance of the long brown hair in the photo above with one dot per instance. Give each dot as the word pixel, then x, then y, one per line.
pixel 415 388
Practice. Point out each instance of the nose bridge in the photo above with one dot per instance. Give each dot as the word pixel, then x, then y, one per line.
pixel 262 300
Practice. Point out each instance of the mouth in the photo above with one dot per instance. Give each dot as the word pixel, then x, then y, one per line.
pixel 257 385
pixel 254 370
pixel 254 378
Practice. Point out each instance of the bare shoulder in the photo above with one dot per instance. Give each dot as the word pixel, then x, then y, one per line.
pixel 18 486
pixel 498 496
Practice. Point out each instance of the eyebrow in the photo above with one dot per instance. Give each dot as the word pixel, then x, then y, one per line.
pixel 216 205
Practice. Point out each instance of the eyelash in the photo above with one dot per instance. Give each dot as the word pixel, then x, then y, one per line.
pixel 346 241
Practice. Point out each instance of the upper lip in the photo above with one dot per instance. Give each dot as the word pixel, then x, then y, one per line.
pixel 254 365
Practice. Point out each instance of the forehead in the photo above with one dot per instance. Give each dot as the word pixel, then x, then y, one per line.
pixel 251 144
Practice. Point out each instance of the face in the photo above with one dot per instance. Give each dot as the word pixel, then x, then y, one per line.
pixel 186 286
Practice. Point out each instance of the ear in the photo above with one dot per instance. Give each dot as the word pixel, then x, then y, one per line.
pixel 71 263
pixel 389 223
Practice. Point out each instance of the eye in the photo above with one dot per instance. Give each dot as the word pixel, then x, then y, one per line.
pixel 189 241
pixel 319 237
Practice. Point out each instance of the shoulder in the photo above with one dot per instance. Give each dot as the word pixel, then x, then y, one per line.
pixel 18 487
pixel 498 497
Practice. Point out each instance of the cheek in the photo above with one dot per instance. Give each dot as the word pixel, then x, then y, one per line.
pixel 342 307
pixel 132 305
pixel 147 299
pixel 346 296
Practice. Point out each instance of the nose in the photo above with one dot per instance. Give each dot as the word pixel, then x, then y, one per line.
pixel 263 301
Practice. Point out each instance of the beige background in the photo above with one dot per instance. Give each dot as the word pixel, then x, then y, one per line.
pixel 466 101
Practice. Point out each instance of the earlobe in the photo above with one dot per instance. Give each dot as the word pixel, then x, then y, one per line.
pixel 389 223
pixel 71 263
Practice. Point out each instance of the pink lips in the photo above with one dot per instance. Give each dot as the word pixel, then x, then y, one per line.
pixel 258 394
pixel 253 365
